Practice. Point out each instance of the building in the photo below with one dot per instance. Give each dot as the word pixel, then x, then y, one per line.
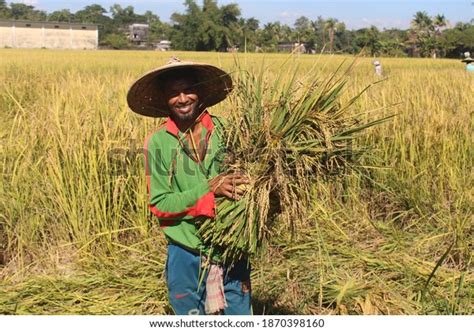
pixel 139 34
pixel 291 47
pixel 163 45
pixel 29 34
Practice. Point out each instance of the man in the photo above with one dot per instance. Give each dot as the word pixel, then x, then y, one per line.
pixel 183 161
pixel 378 68
pixel 469 62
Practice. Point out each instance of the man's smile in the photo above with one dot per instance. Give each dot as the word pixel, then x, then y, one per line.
pixel 184 108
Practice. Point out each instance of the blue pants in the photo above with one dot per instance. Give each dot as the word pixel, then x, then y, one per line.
pixel 187 296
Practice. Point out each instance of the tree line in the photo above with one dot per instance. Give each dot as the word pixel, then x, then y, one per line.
pixel 214 27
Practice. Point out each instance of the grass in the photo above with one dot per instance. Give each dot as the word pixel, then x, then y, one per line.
pixel 76 236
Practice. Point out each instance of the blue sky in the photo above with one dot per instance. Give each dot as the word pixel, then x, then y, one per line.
pixel 355 13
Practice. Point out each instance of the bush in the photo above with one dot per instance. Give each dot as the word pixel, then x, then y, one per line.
pixel 115 41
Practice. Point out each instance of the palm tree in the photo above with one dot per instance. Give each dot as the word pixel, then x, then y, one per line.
pixel 422 22
pixel 319 27
pixel 422 34
pixel 439 23
pixel 330 26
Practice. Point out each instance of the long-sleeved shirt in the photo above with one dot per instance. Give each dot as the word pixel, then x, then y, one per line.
pixel 178 182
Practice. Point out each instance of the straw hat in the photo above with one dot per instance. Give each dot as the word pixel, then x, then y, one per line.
pixel 145 96
pixel 468 60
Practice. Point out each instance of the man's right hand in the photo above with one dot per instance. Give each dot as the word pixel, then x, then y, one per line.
pixel 227 185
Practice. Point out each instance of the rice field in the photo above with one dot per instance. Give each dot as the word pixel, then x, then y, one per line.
pixel 76 236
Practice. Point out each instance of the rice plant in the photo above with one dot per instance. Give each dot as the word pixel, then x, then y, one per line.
pixel 76 236
pixel 283 132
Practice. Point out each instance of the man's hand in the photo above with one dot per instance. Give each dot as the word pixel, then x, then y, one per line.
pixel 227 185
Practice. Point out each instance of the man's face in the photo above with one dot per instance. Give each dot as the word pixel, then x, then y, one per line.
pixel 183 99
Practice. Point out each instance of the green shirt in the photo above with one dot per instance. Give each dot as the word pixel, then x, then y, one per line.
pixel 178 183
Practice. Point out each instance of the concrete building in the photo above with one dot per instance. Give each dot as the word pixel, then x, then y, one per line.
pixel 138 34
pixel 28 34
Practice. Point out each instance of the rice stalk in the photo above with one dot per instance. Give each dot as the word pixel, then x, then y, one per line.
pixel 283 133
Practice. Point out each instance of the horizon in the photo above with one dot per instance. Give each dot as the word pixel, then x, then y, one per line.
pixel 356 14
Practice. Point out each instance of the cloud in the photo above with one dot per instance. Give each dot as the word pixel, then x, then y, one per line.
pixel 288 16
pixel 30 2
pixel 379 23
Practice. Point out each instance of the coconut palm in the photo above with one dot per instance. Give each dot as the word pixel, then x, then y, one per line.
pixel 422 34
pixel 422 22
pixel 439 23
pixel 330 26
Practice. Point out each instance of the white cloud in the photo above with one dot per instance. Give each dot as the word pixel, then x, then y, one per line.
pixel 30 2
pixel 379 23
pixel 288 17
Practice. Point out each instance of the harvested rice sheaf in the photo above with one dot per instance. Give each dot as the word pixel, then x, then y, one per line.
pixel 282 132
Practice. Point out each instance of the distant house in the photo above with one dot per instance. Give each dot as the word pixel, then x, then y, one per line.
pixel 163 45
pixel 139 34
pixel 233 49
pixel 291 47
pixel 33 34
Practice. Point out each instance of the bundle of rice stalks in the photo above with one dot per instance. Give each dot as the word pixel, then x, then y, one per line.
pixel 282 132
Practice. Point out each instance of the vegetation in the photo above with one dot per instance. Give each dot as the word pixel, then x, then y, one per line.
pixel 77 236
pixel 211 27
pixel 285 130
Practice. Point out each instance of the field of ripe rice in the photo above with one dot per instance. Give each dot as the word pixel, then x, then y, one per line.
pixel 76 236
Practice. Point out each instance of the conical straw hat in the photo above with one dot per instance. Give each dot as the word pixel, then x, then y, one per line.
pixel 145 96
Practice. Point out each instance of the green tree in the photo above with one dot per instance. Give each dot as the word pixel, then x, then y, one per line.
pixel 185 27
pixel 331 26
pixel 63 15
pixel 369 39
pixel 392 42
pixel 229 22
pixel 92 14
pixel 319 35
pixel 440 22
pixel 244 34
pixel 422 38
pixel 270 36
pixel 116 41
pixel 247 29
pixel 160 31
pixel 20 11
pixel 150 17
pixel 4 10
pixel 341 41
pixel 208 28
pixel 304 31
pixel 125 16
pixel 95 14
pixel 458 40
pixel 210 33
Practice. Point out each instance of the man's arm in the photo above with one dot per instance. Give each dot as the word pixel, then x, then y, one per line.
pixel 166 203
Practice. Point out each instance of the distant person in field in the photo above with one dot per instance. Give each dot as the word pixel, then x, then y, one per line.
pixel 469 62
pixel 183 159
pixel 378 68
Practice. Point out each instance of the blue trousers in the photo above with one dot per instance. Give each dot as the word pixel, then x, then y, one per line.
pixel 187 296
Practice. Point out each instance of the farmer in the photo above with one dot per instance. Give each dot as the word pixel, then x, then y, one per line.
pixel 469 62
pixel 183 159
pixel 378 68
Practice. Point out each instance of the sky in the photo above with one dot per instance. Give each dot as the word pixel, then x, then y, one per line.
pixel 355 13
